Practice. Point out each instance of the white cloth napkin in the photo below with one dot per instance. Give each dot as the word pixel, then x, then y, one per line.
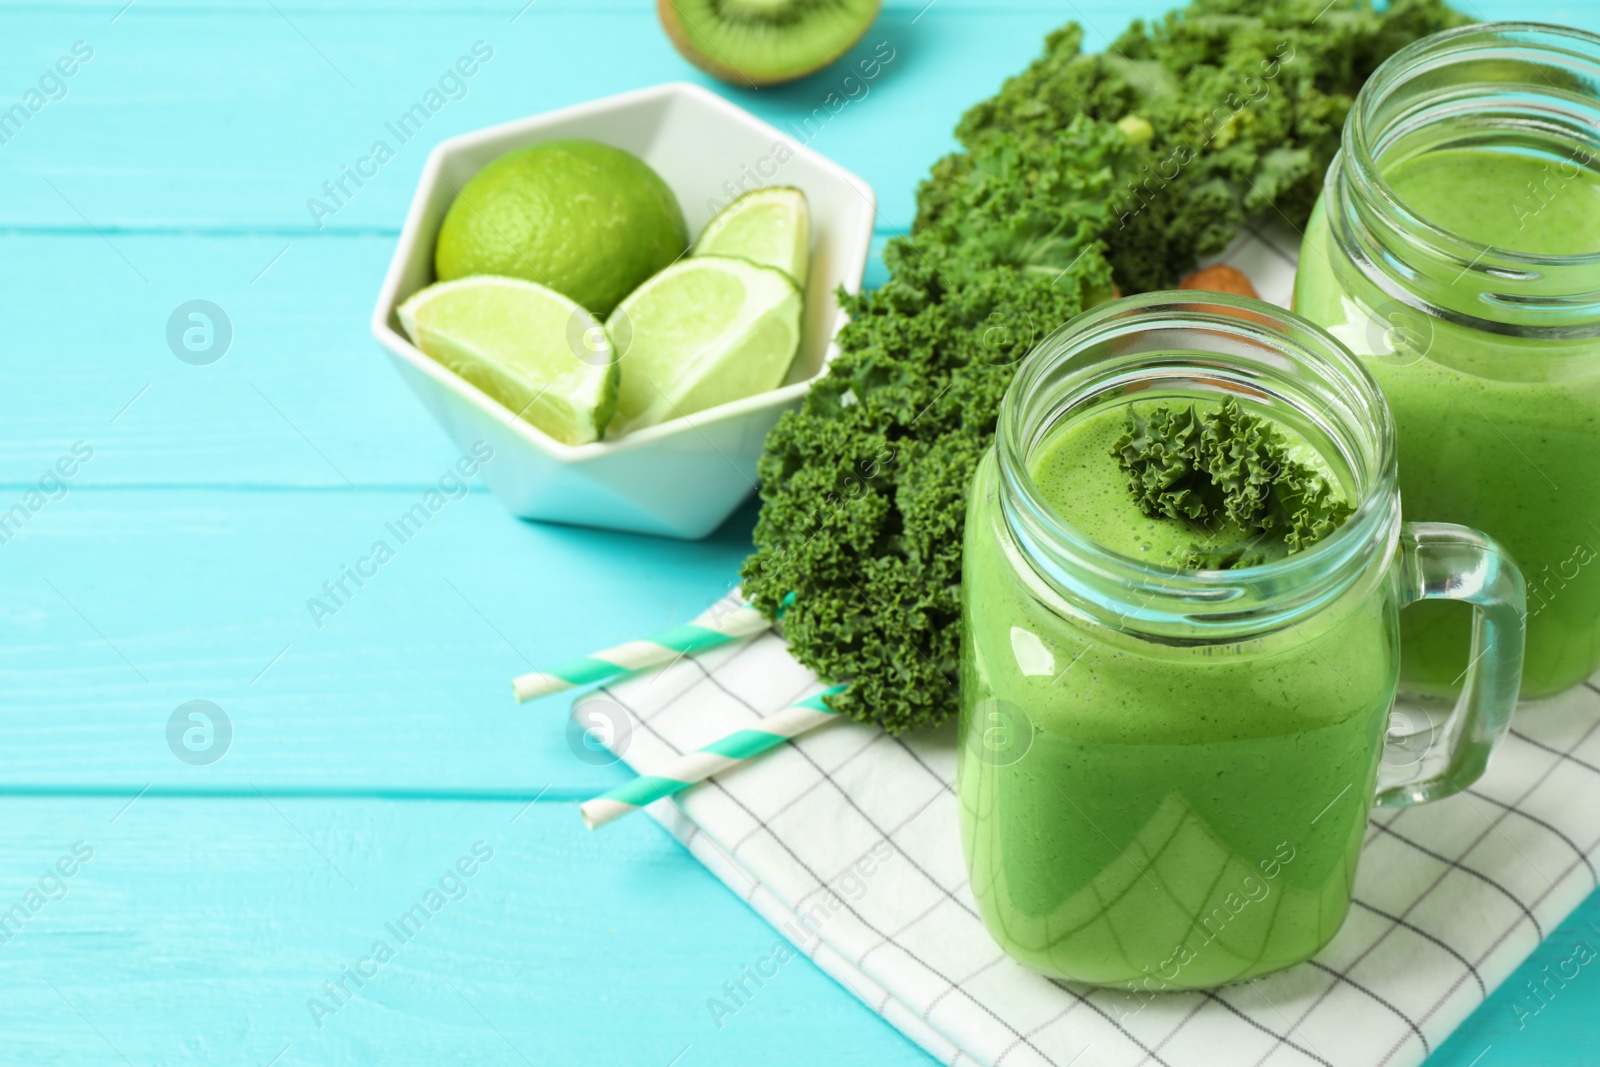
pixel 847 841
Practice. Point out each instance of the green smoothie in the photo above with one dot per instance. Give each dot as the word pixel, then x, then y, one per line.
pixel 1185 813
pixel 1496 431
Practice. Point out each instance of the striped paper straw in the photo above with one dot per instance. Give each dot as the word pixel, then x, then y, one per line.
pixel 710 630
pixel 715 758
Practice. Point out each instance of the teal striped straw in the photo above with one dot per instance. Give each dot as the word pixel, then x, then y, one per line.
pixel 716 627
pixel 715 758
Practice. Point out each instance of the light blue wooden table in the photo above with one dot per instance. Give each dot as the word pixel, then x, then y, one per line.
pixel 375 757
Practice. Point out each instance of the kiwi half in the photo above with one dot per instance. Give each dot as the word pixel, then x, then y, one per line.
pixel 763 42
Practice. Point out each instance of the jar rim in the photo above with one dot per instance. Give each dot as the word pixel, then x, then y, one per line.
pixel 1497 267
pixel 1356 139
pixel 1156 598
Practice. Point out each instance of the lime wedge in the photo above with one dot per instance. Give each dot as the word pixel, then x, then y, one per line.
pixel 545 358
pixel 703 332
pixel 769 226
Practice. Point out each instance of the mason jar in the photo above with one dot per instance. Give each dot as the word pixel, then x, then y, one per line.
pixel 1165 774
pixel 1456 252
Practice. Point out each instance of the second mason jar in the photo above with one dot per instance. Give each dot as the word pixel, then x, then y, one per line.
pixel 1456 250
pixel 1165 773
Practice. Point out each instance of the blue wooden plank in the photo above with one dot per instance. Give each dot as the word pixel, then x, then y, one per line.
pixel 302 396
pixel 235 123
pixel 197 932
pixel 122 605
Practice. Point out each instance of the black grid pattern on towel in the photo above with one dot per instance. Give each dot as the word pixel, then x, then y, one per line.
pixel 1486 874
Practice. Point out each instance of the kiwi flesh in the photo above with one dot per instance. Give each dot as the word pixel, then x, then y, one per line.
pixel 763 42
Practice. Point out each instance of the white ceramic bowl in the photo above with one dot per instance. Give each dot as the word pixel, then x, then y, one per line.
pixel 683 477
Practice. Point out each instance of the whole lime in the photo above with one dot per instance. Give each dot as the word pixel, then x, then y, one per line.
pixel 585 219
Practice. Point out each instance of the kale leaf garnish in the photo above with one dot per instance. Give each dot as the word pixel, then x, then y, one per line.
pixel 1230 473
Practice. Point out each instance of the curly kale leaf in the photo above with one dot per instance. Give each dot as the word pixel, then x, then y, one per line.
pixel 1038 211
pixel 1231 474
pixel 1244 101
pixel 865 486
pixel 1083 168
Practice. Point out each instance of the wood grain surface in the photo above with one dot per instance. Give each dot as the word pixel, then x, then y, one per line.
pixel 371 753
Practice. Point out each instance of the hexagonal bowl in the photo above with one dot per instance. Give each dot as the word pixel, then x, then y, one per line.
pixel 681 478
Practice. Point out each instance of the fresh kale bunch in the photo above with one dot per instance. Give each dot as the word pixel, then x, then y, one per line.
pixel 1230 473
pixel 1236 104
pixel 1085 169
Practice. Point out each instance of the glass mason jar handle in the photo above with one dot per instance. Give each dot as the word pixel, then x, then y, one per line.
pixel 1443 561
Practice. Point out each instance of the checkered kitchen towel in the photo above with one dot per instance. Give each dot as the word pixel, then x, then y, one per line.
pixel 848 842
